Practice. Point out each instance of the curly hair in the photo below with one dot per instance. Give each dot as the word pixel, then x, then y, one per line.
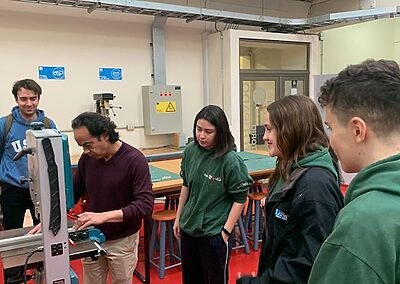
pixel 97 125
pixel 27 84
pixel 370 90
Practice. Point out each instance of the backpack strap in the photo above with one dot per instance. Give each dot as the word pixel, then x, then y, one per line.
pixel 46 123
pixel 8 124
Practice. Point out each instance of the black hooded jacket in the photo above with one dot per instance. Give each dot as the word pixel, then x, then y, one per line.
pixel 299 217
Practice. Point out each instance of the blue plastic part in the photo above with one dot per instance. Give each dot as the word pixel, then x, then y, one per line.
pixel 73 276
pixel 69 191
pixel 96 235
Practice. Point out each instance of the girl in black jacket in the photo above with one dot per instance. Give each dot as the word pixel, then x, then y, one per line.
pixel 304 192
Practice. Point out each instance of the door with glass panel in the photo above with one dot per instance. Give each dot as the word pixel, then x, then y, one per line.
pixel 269 70
pixel 293 85
pixel 256 95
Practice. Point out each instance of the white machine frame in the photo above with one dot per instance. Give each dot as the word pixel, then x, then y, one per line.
pixel 55 245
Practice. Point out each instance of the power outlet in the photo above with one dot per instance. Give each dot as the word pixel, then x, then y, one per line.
pixel 130 127
pixel 367 4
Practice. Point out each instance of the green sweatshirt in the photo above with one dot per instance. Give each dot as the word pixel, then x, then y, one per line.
pixel 364 246
pixel 214 184
pixel 320 158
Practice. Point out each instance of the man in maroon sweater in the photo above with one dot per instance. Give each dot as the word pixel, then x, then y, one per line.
pixel 117 180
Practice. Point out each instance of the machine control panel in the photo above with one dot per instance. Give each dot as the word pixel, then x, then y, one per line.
pixel 57 249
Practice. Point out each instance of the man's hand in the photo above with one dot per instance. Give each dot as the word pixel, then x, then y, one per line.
pixel 87 219
pixel 35 230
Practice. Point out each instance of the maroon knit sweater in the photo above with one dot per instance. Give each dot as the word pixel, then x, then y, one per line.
pixel 122 182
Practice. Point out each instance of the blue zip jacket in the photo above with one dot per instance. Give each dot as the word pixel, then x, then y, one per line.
pixel 11 171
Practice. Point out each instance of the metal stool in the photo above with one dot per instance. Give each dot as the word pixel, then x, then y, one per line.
pixel 164 218
pixel 240 242
pixel 172 201
pixel 256 194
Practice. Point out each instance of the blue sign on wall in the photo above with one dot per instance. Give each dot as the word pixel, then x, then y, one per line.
pixel 51 72
pixel 110 74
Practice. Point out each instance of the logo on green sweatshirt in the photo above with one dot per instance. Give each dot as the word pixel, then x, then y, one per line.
pixel 213 178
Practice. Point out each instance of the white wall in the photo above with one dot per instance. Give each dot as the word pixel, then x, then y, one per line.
pixel 396 39
pixel 215 72
pixel 333 6
pixel 386 3
pixel 356 43
pixel 82 43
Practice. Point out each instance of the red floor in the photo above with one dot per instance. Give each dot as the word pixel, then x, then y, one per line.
pixel 240 263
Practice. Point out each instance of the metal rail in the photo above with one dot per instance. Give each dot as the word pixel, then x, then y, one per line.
pixel 273 24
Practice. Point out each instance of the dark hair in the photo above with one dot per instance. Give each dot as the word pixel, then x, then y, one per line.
pixel 216 116
pixel 299 130
pixel 97 125
pixel 370 90
pixel 28 84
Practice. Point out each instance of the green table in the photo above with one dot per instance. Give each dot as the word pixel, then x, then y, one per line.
pixel 250 156
pixel 260 164
pixel 257 165
pixel 158 174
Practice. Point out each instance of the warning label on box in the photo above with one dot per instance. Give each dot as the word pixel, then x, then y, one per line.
pixel 166 107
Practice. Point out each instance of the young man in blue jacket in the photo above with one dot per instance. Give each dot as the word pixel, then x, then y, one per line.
pixel 15 197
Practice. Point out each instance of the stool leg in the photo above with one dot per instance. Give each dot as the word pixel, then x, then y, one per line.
pixel 166 204
pixel 256 224
pixel 243 235
pixel 170 240
pixel 153 239
pixel 261 231
pixel 162 251
pixel 249 214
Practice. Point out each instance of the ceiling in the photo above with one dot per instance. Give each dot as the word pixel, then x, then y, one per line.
pixel 266 23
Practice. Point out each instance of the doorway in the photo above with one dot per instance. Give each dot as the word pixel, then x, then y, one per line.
pixel 269 70
pixel 257 92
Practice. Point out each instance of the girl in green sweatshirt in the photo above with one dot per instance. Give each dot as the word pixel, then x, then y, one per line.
pixel 215 186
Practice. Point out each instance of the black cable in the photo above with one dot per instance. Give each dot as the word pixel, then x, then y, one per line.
pixel 38 249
